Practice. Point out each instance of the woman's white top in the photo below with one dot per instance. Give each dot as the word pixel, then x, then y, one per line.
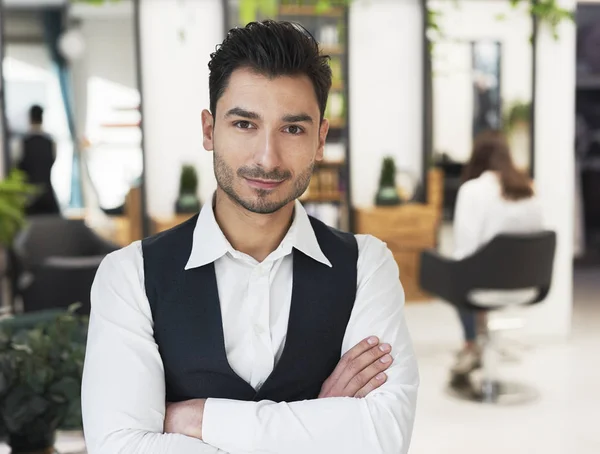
pixel 482 213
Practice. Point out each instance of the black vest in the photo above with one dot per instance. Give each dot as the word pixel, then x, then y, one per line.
pixel 188 327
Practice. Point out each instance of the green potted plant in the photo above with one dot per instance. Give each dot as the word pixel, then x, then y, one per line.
pixel 387 194
pixel 41 366
pixel 518 115
pixel 14 196
pixel 188 201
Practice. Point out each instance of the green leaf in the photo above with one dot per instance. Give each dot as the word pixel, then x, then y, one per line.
pixel 248 11
pixel 21 407
pixel 67 387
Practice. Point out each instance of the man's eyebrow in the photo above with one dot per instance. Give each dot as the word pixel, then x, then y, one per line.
pixel 239 112
pixel 298 118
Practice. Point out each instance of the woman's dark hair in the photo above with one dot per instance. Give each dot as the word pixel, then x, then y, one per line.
pixel 491 152
pixel 273 49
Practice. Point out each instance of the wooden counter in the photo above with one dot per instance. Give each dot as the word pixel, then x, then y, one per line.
pixel 408 230
pixel 160 225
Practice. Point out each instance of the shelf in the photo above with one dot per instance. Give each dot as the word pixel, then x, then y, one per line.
pixel 322 198
pixel 329 164
pixel 337 86
pixel 333 50
pixel 337 123
pixel 304 10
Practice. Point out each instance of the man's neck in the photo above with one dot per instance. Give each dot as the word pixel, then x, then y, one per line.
pixel 251 233
pixel 35 128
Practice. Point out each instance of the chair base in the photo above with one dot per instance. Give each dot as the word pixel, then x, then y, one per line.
pixel 503 393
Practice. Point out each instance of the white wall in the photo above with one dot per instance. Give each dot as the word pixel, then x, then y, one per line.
pixel 554 170
pixel 175 78
pixel 386 94
pixel 109 55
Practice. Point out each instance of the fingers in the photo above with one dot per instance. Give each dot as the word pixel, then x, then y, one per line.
pixel 362 369
pixel 373 384
pixel 363 346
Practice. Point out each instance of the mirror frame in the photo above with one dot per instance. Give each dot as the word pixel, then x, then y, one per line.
pixel 428 123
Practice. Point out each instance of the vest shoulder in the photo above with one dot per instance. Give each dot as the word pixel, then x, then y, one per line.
pixel 327 234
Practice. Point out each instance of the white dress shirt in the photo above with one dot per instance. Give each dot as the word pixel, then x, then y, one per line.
pixel 482 213
pixel 123 391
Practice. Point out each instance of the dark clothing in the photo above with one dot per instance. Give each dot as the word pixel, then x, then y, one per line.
pixel 37 161
pixel 188 327
pixel 468 320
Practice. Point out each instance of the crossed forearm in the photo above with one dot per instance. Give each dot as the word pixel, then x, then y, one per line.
pixel 360 371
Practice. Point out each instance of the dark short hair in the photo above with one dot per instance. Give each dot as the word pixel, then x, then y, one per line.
pixel 273 49
pixel 36 115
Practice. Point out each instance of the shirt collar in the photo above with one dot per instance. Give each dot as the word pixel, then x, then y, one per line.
pixel 301 236
pixel 209 243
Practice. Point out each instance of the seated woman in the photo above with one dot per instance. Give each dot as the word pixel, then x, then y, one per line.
pixel 495 198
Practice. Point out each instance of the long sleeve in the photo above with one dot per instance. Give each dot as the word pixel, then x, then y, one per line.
pixel 380 423
pixel 123 390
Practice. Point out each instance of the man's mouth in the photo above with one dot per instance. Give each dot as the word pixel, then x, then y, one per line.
pixel 263 184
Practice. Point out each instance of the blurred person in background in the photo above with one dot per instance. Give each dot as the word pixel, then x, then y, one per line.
pixel 36 158
pixel 495 198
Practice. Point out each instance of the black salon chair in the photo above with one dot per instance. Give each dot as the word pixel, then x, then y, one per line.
pixel 56 262
pixel 507 263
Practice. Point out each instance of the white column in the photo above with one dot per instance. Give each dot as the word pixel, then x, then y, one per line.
pixel 554 170
pixel 177 39
pixel 386 91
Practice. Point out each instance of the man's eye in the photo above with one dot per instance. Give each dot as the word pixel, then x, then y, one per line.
pixel 243 124
pixel 294 130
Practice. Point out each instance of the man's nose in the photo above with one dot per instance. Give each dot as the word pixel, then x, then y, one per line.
pixel 267 154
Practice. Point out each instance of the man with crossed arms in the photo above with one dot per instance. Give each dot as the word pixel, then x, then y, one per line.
pixel 225 333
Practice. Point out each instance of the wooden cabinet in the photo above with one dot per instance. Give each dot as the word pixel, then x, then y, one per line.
pixel 162 224
pixel 408 230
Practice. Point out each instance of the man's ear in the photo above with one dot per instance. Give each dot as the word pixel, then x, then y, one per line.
pixel 323 130
pixel 208 130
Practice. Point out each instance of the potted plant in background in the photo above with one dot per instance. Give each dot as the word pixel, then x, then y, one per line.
pixel 41 366
pixel 14 196
pixel 188 201
pixel 387 194
pixel 518 116
pixel 517 127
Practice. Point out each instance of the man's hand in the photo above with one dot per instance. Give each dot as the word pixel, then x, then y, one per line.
pixel 185 418
pixel 360 370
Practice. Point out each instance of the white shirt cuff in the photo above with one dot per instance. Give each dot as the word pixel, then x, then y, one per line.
pixel 229 424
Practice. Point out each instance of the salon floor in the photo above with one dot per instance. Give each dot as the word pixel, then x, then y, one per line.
pixel 562 421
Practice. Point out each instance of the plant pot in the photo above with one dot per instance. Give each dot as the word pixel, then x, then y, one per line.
pixel 36 443
pixel 187 203
pixel 387 196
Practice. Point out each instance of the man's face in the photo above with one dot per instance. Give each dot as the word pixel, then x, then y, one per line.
pixel 266 137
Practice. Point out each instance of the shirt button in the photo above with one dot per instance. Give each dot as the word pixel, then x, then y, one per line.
pixel 258 330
